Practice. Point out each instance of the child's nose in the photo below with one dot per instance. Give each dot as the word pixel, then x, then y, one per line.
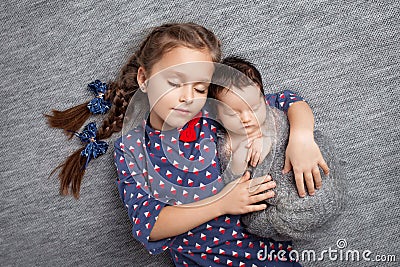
pixel 246 116
pixel 186 93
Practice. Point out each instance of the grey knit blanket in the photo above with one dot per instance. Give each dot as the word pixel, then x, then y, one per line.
pixel 289 217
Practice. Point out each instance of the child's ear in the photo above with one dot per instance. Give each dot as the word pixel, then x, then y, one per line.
pixel 141 79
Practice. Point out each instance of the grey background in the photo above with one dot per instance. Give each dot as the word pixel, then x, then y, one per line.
pixel 342 56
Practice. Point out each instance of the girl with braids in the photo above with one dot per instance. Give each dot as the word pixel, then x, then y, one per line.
pixel 168 171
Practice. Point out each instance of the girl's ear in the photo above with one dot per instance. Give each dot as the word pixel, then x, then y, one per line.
pixel 141 79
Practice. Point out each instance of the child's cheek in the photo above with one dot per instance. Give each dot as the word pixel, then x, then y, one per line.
pixel 231 123
pixel 261 115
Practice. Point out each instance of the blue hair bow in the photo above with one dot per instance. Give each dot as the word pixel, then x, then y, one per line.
pixel 94 148
pixel 98 105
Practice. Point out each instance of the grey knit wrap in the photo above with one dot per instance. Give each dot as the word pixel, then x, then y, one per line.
pixel 288 216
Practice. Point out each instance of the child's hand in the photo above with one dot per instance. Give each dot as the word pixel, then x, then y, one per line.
pixel 256 147
pixel 303 154
pixel 254 152
pixel 239 196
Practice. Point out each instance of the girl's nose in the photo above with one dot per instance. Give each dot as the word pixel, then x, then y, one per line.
pixel 186 94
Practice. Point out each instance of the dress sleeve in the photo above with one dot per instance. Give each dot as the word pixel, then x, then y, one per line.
pixel 282 100
pixel 143 209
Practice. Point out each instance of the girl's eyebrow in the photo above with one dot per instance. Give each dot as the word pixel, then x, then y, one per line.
pixel 177 73
pixel 183 76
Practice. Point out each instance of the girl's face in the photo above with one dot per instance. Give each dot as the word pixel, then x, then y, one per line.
pixel 177 86
pixel 242 111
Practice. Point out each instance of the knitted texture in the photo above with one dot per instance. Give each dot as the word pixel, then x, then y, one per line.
pixel 288 216
pixel 341 56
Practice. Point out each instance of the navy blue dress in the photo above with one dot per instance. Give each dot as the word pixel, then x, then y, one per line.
pixel 157 168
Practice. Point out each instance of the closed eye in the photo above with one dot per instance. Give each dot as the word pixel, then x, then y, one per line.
pixel 201 90
pixel 174 84
pixel 229 113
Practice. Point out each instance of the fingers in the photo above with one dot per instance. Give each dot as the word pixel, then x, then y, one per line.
pixel 259 180
pixel 262 187
pixel 249 154
pixel 310 183
pixel 300 183
pixel 312 179
pixel 262 196
pixel 287 167
pixel 317 177
pixel 253 208
pixel 324 166
pixel 255 158
pixel 245 177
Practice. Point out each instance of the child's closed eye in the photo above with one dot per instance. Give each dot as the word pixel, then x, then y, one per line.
pixel 229 113
pixel 174 84
pixel 201 88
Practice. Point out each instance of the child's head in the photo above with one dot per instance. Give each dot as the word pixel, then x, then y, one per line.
pixel 238 88
pixel 165 46
pixel 170 59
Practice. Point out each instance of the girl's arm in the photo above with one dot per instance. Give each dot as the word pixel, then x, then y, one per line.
pixel 302 153
pixel 237 197
pixel 175 220
pixel 155 223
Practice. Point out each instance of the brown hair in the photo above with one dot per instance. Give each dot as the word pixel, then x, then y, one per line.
pixel 232 75
pixel 159 41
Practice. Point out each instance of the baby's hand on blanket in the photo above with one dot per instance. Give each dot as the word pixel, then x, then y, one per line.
pixel 240 195
pixel 304 156
pixel 257 147
pixel 254 152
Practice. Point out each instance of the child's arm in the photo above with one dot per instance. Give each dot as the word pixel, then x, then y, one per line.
pixel 302 153
pixel 237 197
pixel 155 223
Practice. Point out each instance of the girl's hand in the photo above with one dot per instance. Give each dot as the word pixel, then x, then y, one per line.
pixel 239 196
pixel 304 156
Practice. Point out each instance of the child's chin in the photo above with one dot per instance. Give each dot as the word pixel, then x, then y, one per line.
pixel 176 124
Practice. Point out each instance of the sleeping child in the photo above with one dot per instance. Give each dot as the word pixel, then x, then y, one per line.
pixel 245 113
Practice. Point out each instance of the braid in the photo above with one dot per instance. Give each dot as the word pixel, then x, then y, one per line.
pixel 113 122
pixel 70 119
pixel 121 90
pixel 119 93
pixel 71 174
